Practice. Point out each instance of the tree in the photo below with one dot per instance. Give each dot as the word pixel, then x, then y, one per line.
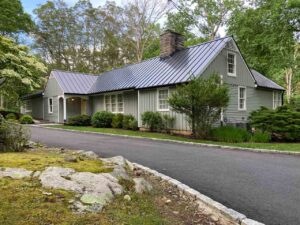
pixel 207 16
pixel 13 19
pixel 202 101
pixel 268 36
pixel 23 72
pixel 141 17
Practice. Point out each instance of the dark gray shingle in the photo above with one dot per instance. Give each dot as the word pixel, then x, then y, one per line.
pixel 265 82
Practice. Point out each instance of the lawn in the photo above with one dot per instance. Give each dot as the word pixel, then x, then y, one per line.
pixel 293 147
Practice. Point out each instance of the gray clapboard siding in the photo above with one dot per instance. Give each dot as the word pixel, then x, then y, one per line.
pixel 37 108
pixel 52 90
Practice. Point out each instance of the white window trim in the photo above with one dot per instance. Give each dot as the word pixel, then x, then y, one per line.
pixel 26 110
pixel 117 107
pixel 50 111
pixel 245 108
pixel 279 94
pixel 231 74
pixel 157 102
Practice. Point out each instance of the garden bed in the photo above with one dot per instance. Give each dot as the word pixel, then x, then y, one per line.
pixel 289 147
pixel 26 200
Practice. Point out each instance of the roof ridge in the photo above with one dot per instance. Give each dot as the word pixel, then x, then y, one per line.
pixel 79 73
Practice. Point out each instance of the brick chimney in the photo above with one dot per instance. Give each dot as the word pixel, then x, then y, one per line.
pixel 170 42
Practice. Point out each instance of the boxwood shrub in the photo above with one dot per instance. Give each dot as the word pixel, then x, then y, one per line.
pixel 11 116
pixel 102 119
pixel 26 119
pixel 129 122
pixel 229 134
pixel 152 120
pixel 80 120
pixel 117 121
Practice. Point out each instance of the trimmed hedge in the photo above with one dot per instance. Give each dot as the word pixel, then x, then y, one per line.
pixel 11 116
pixel 81 120
pixel 129 122
pixel 152 120
pixel 26 119
pixel 230 134
pixel 102 119
pixel 117 121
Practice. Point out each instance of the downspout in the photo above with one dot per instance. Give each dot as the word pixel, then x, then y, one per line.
pixel 138 110
pixel 222 110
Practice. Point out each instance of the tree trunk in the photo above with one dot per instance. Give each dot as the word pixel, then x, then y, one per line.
pixel 288 82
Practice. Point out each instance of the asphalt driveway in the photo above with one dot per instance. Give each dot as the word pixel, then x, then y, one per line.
pixel 264 187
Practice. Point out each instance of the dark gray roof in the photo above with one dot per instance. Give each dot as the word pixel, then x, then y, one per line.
pixel 35 94
pixel 265 82
pixel 75 83
pixel 154 72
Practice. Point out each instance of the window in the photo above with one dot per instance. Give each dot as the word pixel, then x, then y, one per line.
pixel 277 99
pixel 163 95
pixel 114 103
pixel 231 64
pixel 242 98
pixel 28 106
pixel 50 105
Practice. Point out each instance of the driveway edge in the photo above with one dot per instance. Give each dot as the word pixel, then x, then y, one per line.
pixel 201 199
pixel 257 150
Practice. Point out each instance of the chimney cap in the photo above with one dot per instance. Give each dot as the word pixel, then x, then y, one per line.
pixel 170 31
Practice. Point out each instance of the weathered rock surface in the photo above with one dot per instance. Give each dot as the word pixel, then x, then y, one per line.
pixel 120 172
pixel 118 160
pixel 96 190
pixel 15 173
pixel 141 185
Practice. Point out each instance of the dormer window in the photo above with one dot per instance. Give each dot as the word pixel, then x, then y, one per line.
pixel 231 64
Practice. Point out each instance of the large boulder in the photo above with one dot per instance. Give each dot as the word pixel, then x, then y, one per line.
pixel 141 185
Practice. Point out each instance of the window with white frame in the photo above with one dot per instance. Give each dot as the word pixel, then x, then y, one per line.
pixel 242 98
pixel 50 105
pixel 28 106
pixel 277 99
pixel 163 95
pixel 231 64
pixel 114 103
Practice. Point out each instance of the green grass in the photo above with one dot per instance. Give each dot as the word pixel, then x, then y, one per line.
pixel 39 160
pixel 294 147
pixel 23 203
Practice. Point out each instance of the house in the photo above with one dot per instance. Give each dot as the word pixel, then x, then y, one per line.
pixel 137 88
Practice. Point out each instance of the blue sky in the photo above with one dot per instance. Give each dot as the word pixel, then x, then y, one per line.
pixel 30 5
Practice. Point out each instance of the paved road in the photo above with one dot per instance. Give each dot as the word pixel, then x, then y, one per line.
pixel 264 187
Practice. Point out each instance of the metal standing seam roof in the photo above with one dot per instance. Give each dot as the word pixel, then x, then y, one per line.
pixel 265 82
pixel 154 72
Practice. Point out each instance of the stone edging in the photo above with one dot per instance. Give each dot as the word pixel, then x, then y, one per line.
pixel 201 199
pixel 257 150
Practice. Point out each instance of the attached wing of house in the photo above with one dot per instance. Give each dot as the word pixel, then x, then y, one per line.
pixel 145 86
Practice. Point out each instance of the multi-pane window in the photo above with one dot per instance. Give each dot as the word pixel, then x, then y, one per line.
pixel 231 65
pixel 242 98
pixel 114 103
pixel 163 95
pixel 50 105
pixel 277 99
pixel 28 106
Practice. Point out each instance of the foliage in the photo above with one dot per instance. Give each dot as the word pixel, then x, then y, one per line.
pixel 11 116
pixel 129 122
pixel 283 123
pixel 168 122
pixel 26 119
pixel 5 112
pixel 268 36
pixel 260 137
pixel 205 16
pixel 13 137
pixel 23 71
pixel 117 121
pixel 80 120
pixel 230 134
pixel 102 119
pixel 152 120
pixel 13 19
pixel 202 101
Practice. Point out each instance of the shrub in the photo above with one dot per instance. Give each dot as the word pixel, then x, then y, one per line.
pixel 11 116
pixel 81 120
pixel 168 122
pixel 129 122
pixel 260 137
pixel 283 123
pixel 13 137
pixel 102 119
pixel 152 120
pixel 26 119
pixel 117 121
pixel 230 134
